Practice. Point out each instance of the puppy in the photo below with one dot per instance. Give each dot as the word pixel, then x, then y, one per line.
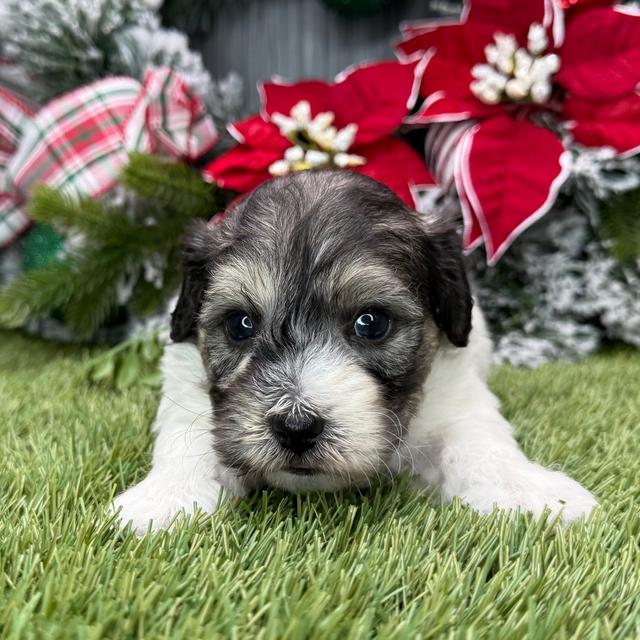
pixel 324 337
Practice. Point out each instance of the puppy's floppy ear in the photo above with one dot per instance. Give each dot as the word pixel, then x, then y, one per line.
pixel 195 264
pixel 447 287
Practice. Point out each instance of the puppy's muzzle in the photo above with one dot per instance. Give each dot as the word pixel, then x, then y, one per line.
pixel 297 434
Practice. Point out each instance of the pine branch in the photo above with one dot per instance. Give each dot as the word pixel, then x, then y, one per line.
pixel 83 288
pixel 35 293
pixel 50 206
pixel 146 297
pixel 97 276
pixel 173 185
pixel 63 45
pixel 135 228
pixel 127 244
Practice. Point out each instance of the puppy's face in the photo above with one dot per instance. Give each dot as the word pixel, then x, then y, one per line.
pixel 318 305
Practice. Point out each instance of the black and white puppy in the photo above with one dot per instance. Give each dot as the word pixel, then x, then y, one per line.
pixel 324 337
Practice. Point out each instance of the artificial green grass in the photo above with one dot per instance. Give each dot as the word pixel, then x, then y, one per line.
pixel 386 563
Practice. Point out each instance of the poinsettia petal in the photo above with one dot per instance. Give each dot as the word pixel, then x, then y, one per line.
pixel 279 96
pixel 572 7
pixel 600 59
pixel 605 124
pixel 376 97
pixel 464 43
pixel 256 132
pixel 449 54
pixel 506 16
pixel 516 16
pixel 394 163
pixel 242 168
pixel 511 172
pixel 472 232
pixel 452 104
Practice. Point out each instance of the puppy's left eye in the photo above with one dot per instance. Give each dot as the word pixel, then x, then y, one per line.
pixel 372 324
pixel 240 326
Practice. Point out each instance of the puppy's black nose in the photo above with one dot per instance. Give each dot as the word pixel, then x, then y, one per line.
pixel 297 434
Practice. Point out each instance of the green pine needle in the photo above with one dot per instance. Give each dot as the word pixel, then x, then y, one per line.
pixel 37 292
pixel 83 288
pixel 50 206
pixel 63 45
pixel 114 246
pixel 173 185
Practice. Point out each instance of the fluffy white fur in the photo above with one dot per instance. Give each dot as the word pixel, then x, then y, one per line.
pixel 322 374
pixel 458 442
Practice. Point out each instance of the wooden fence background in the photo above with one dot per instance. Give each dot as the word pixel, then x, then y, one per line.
pixel 302 38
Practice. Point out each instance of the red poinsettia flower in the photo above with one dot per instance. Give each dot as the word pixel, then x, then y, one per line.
pixel 313 124
pixel 575 6
pixel 503 66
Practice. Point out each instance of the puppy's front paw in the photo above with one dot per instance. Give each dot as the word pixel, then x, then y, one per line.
pixel 154 503
pixel 530 487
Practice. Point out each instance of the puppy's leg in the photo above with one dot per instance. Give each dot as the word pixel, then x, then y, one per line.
pixel 464 446
pixel 185 473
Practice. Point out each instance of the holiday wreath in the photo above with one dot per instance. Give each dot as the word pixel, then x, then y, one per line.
pixel 526 114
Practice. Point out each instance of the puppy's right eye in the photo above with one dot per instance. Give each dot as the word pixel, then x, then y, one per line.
pixel 240 326
pixel 372 324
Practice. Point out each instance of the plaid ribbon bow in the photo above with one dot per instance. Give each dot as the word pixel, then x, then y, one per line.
pixel 14 117
pixel 80 142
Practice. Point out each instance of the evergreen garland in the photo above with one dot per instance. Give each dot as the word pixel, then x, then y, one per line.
pixel 119 251
pixel 173 184
pixel 63 44
pixel 621 226
pixel 55 46
pixel 558 293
